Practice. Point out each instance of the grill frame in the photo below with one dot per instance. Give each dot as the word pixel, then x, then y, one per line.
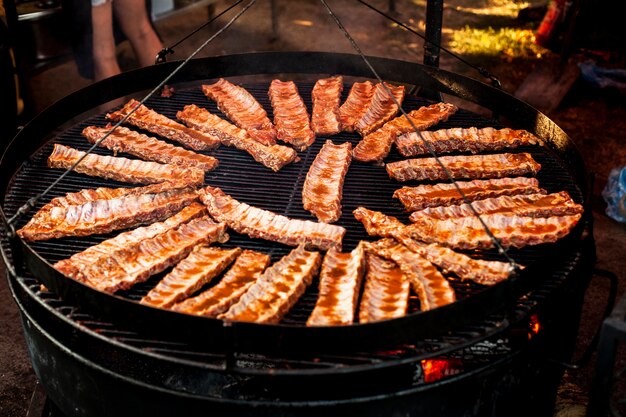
pixel 242 337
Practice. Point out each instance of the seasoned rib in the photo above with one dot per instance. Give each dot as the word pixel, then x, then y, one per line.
pixel 145 147
pixel 511 230
pixel 323 187
pixel 473 166
pixel 464 140
pixel 326 97
pixel 477 270
pixel 243 109
pixel 446 194
pixel 355 106
pixel 247 269
pixel 103 216
pixel 148 119
pixel 340 283
pixel 72 266
pixel 531 205
pixel 381 109
pixel 277 290
pixel 428 283
pixel 273 157
pixel 123 169
pixel 264 224
pixel 202 265
pixel 138 262
pixel 376 146
pixel 290 115
pixel 386 292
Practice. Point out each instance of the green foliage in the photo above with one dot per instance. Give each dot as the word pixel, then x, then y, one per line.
pixel 501 43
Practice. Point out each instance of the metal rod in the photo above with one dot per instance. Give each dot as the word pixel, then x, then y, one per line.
pixel 434 23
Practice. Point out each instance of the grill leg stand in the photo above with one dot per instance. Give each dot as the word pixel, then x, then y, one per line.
pixel 434 25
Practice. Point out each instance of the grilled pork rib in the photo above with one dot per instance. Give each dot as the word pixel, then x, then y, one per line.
pixel 216 300
pixel 428 283
pixel 243 109
pixel 323 187
pixel 202 265
pixel 381 109
pixel 473 166
pixel 123 169
pixel 326 97
pixel 106 215
pixel 277 289
pixel 386 292
pixel 147 119
pixel 464 140
pixel 263 224
pixel 290 115
pixel 446 194
pixel 355 106
pixel 145 147
pixel 273 157
pixel 137 263
pixel 375 146
pixel 340 283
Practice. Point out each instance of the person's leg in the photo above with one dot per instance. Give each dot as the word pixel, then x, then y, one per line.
pixel 105 60
pixel 132 17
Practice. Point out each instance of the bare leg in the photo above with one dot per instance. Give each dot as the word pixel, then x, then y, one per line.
pixel 105 60
pixel 133 19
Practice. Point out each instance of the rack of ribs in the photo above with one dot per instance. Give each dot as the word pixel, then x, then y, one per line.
pixel 216 300
pixel 323 187
pixel 290 115
pixel 200 267
pixel 446 194
pixel 243 109
pixel 461 166
pixel 326 98
pixel 145 205
pixel 264 224
pixel 460 139
pixel 277 289
pixel 375 146
pixel 339 287
pixel 151 121
pixel 355 106
pixel 145 147
pixel 381 109
pixel 123 169
pixel 273 157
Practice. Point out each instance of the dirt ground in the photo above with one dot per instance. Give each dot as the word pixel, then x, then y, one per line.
pixel 595 119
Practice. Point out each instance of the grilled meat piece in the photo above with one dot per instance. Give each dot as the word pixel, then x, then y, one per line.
pixel 263 224
pixel 106 215
pixel 446 194
pixel 323 187
pixel 340 283
pixel 123 169
pixel 277 289
pixel 386 292
pixel 243 109
pixel 381 109
pixel 531 205
pixel 138 262
pixel 290 115
pixel 326 97
pixel 145 147
pixel 202 265
pixel 216 300
pixel 273 157
pixel 355 106
pixel 463 140
pixel 473 166
pixel 94 254
pixel 428 283
pixel 148 119
pixel 376 146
